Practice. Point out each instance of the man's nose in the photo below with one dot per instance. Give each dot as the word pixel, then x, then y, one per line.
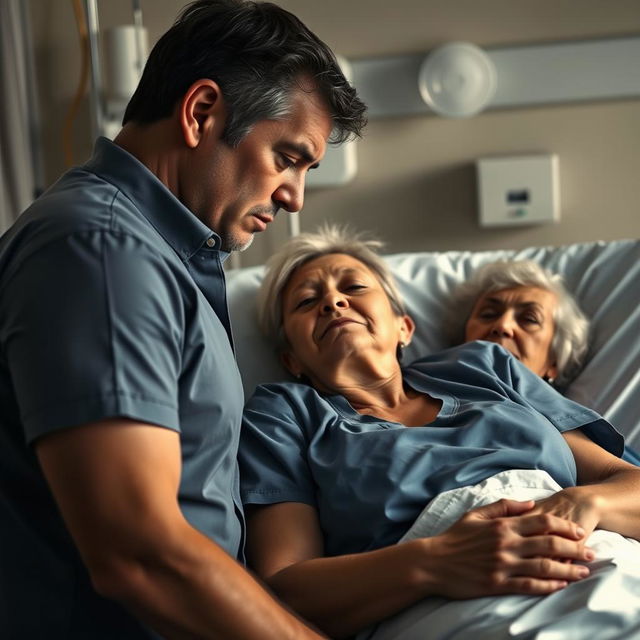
pixel 290 195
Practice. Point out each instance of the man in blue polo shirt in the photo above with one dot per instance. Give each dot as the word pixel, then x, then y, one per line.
pixel 120 399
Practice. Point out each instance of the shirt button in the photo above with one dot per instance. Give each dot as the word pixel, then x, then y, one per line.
pixel 211 242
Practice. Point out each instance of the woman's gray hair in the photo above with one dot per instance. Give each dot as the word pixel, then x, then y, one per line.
pixel 570 339
pixel 308 246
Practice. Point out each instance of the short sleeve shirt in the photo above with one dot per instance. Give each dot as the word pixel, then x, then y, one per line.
pixel 369 479
pixel 112 304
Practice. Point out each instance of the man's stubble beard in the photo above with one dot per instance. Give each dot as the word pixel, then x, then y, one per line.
pixel 231 243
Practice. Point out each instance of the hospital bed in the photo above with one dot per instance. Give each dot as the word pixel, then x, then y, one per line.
pixel 605 279
pixel 603 276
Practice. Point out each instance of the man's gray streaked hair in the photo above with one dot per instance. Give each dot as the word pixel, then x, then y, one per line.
pixel 258 53
pixel 570 339
pixel 305 247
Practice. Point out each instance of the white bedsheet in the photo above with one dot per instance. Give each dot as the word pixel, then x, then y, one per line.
pixel 603 606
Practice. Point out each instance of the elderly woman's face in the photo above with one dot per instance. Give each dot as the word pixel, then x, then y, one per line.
pixel 332 307
pixel 521 320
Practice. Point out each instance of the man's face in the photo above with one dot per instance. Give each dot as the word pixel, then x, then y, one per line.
pixel 238 191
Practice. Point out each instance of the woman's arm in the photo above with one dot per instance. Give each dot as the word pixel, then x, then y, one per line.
pixel 608 494
pixel 492 550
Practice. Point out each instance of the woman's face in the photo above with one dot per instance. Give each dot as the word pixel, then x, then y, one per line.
pixel 521 320
pixel 334 307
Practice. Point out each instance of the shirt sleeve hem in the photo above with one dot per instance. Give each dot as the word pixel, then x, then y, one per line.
pixel 601 432
pixel 88 410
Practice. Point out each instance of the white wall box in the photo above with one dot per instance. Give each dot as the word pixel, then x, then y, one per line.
pixel 518 190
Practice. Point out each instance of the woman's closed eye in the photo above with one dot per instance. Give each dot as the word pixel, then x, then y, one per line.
pixel 488 314
pixel 304 302
pixel 355 287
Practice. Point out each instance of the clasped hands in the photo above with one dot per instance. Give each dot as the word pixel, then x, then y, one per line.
pixel 512 547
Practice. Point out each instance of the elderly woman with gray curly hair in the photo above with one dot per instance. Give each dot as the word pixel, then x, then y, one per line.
pixel 337 467
pixel 528 310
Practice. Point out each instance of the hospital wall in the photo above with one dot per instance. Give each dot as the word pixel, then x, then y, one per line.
pixel 415 187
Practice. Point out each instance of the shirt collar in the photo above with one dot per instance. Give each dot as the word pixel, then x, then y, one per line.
pixel 182 230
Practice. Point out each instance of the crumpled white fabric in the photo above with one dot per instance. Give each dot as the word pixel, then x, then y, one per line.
pixel 603 606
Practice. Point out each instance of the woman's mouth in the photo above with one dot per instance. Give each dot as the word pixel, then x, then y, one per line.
pixel 334 324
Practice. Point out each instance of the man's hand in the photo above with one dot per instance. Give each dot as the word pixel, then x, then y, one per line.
pixel 508 547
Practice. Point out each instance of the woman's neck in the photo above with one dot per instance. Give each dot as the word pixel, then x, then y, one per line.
pixel 365 382
pixel 377 389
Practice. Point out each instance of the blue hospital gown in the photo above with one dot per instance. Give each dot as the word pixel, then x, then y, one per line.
pixel 369 479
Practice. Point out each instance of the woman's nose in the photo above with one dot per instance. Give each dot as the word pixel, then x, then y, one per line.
pixel 504 325
pixel 333 300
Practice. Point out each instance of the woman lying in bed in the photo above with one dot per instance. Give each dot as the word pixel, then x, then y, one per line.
pixel 338 466
pixel 527 309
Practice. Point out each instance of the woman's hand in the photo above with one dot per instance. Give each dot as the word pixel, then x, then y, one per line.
pixel 608 490
pixel 505 547
pixel 577 504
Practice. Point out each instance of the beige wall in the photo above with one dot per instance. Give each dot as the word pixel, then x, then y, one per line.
pixel 415 186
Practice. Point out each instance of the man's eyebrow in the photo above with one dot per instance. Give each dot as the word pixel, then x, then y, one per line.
pixel 302 150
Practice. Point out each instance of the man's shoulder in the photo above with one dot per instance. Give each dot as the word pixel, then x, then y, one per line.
pixel 81 200
pixel 80 204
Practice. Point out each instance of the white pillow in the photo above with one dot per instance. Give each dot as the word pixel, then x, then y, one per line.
pixel 603 276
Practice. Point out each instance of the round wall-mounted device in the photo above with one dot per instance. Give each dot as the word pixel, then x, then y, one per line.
pixel 457 80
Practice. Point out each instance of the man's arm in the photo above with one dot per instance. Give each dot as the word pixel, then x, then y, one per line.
pixel 116 484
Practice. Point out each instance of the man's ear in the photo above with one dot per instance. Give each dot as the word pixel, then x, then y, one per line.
pixel 291 363
pixel 201 109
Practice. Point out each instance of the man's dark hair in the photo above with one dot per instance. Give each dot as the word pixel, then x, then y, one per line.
pixel 257 53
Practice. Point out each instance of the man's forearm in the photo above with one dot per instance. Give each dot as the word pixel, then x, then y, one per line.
pixel 199 591
pixel 116 484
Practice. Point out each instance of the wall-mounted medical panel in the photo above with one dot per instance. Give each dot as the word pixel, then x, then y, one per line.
pixel 518 190
pixel 524 75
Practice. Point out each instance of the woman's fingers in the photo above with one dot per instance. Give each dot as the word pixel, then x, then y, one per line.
pixel 538 576
pixel 505 548
pixel 553 546
pixel 502 508
pixel 527 524
pixel 546 523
